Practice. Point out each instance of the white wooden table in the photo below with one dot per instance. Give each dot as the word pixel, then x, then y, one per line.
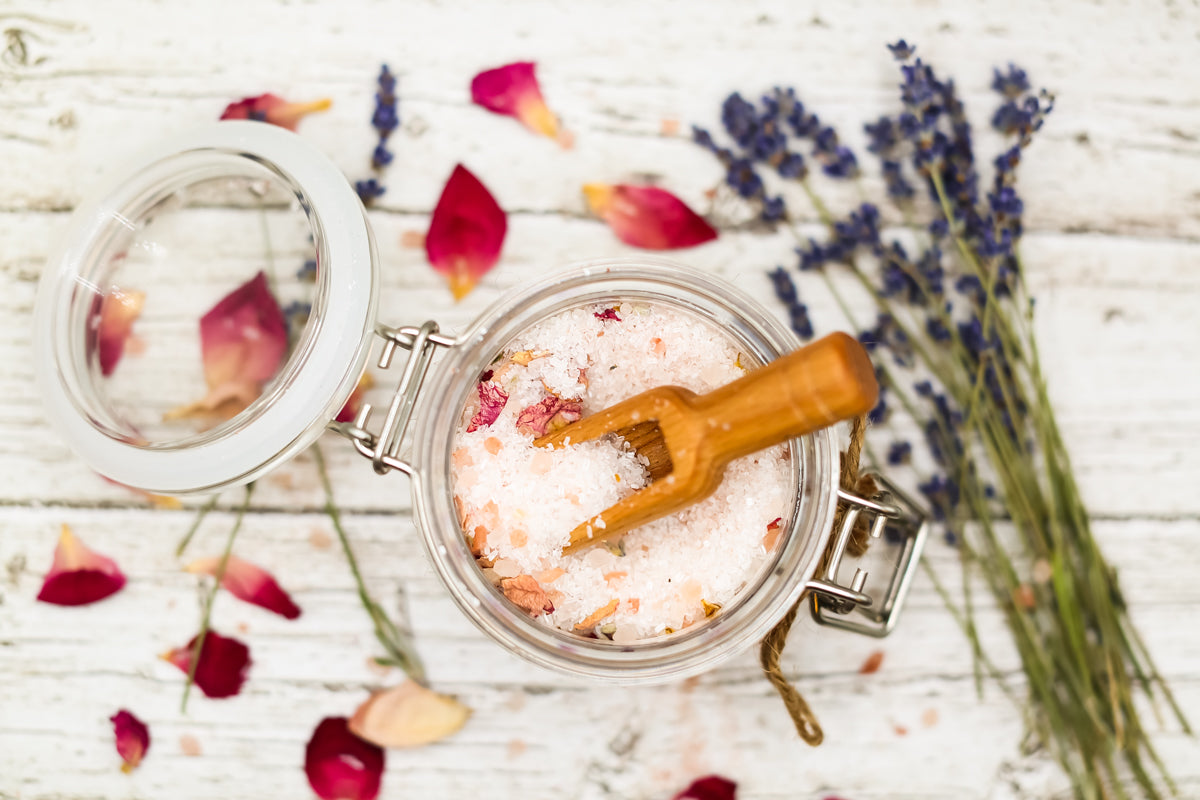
pixel 1112 190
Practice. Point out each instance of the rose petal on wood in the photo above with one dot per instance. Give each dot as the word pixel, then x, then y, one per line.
pixel 491 402
pixel 526 593
pixel 119 309
pixel 408 715
pixel 710 787
pixel 248 582
pixel 222 668
pixel 513 90
pixel 872 663
pixel 340 765
pixel 466 233
pixel 79 576
pixel 647 216
pixel 132 739
pixel 273 109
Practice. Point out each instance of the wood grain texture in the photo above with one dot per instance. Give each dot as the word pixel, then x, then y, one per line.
pixel 1112 191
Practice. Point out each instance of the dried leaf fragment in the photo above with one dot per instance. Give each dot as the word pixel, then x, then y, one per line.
pixel 526 593
pixel 709 608
pixel 408 715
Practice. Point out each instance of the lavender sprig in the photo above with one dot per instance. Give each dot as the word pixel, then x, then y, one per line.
pixel 384 119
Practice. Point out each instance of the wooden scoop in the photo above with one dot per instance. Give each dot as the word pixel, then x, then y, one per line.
pixel 690 438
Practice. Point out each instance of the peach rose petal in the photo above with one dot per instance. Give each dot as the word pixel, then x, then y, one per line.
pixel 341 766
pixel 273 109
pixel 466 233
pixel 250 583
pixel 222 668
pixel 598 615
pixel 79 576
pixel 118 311
pixel 710 787
pixel 408 715
pixel 527 594
pixel 513 90
pixel 647 216
pixel 132 739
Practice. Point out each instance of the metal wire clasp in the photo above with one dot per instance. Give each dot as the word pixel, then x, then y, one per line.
pixel 848 607
pixel 383 448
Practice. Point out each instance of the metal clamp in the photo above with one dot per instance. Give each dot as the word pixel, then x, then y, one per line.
pixel 383 448
pixel 848 607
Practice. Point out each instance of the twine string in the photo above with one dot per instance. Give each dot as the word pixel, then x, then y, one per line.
pixel 771 649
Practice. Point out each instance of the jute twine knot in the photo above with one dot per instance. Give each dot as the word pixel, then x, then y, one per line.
pixel 772 646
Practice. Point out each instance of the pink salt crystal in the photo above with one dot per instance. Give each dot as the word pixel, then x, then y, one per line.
pixel 461 458
pixel 540 464
pixel 492 445
pixel 506 568
pixel 518 537
pixel 690 591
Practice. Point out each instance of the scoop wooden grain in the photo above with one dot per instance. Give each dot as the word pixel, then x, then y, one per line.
pixel 689 439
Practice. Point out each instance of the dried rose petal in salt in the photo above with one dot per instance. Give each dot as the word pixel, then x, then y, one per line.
pixel 340 765
pixel 273 109
pixel 525 593
pixel 222 667
pixel 513 90
pixel 548 415
pixel 710 787
pixel 118 311
pixel 872 663
pixel 78 576
pixel 355 400
pixel 491 402
pixel 466 232
pixel 248 582
pixel 132 739
pixel 408 715
pixel 608 313
pixel 243 339
pixel 771 538
pixel 598 615
pixel 647 216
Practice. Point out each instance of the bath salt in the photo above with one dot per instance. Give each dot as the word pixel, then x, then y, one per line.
pixel 518 503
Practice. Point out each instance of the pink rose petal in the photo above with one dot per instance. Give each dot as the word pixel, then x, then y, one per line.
pixel 608 313
pixel 513 90
pixel 273 109
pixel 341 766
pixel 223 664
pixel 78 576
pixel 491 402
pixel 647 217
pixel 466 232
pixel 548 415
pixel 118 311
pixel 243 340
pixel 250 583
pixel 132 739
pixel 711 787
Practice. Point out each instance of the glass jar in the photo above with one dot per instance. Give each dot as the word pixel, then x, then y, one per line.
pixel 329 354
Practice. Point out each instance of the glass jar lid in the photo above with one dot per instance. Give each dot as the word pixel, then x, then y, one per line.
pixel 211 216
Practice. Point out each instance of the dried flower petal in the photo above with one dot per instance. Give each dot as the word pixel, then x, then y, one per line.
pixel 466 232
pixel 524 357
pixel 598 615
pixel 513 90
pixel 273 109
pixel 156 500
pixel 248 582
pixel 78 576
pixel 408 715
pixel 243 340
pixel 222 667
pixel 647 216
pixel 132 739
pixel 548 415
pixel 118 311
pixel 710 787
pixel 709 608
pixel 608 313
pixel 526 593
pixel 872 663
pixel 491 402
pixel 354 402
pixel 341 766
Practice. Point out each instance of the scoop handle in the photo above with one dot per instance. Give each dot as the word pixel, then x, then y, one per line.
pixel 825 382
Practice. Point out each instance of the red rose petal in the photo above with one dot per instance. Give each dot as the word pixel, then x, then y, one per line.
pixel 248 582
pixel 711 787
pixel 354 402
pixel 466 232
pixel 132 739
pixel 491 402
pixel 118 311
pixel 273 109
pixel 78 576
pixel 608 313
pixel 548 415
pixel 341 766
pixel 223 664
pixel 513 90
pixel 648 217
pixel 243 340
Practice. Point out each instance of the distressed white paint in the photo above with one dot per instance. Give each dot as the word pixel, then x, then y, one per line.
pixel 1113 198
